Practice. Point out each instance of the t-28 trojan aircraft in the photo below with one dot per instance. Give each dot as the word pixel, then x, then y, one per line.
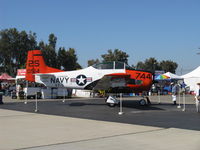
pixel 114 77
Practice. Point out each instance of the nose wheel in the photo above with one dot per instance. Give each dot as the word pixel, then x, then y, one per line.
pixel 111 101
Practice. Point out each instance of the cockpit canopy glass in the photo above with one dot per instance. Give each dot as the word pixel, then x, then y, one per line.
pixel 112 65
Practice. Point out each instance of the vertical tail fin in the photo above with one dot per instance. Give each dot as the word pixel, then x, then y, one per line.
pixel 35 64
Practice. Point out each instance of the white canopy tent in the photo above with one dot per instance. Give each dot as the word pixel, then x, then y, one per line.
pixel 172 76
pixel 20 77
pixel 192 78
pixel 21 74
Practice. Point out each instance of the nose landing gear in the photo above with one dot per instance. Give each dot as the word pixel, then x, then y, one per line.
pixel 111 101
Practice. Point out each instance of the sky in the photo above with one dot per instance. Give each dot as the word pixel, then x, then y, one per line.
pixel 163 29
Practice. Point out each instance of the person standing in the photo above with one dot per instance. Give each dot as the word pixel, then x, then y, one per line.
pixel 183 87
pixel 1 94
pixel 175 89
pixel 197 96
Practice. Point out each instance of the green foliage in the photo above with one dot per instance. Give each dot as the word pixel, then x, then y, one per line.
pixel 152 64
pixel 14 46
pixel 68 59
pixel 49 51
pixel 92 62
pixel 116 55
pixel 168 66
pixel 140 65
pixel 13 49
pixel 52 41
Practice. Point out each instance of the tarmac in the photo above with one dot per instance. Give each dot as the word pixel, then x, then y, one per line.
pixel 89 124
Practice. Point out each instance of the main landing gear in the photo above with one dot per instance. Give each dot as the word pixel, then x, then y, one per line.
pixel 112 102
pixel 145 101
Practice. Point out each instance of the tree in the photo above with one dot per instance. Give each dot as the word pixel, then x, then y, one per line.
pixel 49 51
pixel 68 59
pixel 152 64
pixel 13 49
pixel 61 57
pixel 52 41
pixel 140 66
pixel 116 55
pixel 25 42
pixel 168 66
pixel 14 46
pixel 92 62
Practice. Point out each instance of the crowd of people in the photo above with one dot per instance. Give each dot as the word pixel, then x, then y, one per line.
pixel 7 89
pixel 175 88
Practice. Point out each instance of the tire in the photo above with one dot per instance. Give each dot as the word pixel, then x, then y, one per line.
pixel 142 102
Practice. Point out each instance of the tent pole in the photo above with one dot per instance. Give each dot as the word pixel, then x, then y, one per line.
pixel 25 102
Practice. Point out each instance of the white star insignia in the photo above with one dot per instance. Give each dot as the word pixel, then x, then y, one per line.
pixel 81 80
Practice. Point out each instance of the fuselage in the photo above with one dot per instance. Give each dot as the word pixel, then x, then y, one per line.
pixel 78 79
pixel 90 77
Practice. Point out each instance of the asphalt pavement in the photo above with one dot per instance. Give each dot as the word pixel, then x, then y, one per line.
pixel 88 123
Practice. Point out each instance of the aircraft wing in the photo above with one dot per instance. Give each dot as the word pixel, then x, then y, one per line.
pixel 112 81
pixel 52 80
pixel 43 78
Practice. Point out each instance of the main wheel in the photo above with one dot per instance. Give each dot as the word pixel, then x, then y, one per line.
pixel 142 102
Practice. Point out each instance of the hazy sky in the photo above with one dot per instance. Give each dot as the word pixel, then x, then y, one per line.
pixel 163 29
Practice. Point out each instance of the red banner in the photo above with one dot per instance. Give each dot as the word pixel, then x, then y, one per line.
pixel 21 72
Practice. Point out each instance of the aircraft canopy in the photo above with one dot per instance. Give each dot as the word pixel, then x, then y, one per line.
pixel 112 65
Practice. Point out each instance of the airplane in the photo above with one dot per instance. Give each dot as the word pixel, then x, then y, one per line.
pixel 113 77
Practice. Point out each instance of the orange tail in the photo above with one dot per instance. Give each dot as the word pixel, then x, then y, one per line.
pixel 35 64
